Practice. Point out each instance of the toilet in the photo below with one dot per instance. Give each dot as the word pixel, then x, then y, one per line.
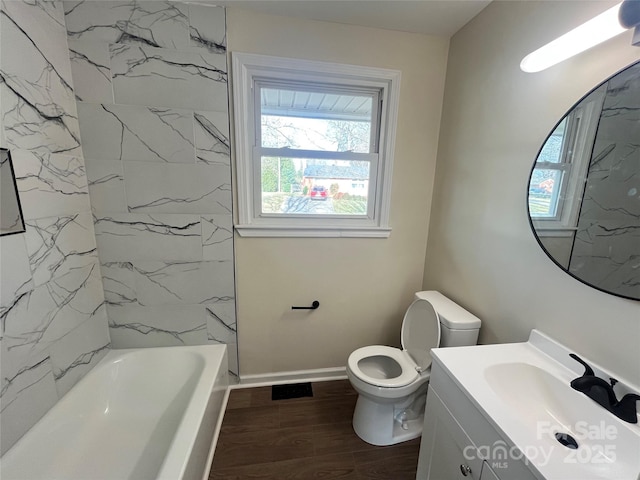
pixel 392 383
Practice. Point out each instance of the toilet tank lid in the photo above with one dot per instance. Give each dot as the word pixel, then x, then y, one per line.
pixel 451 314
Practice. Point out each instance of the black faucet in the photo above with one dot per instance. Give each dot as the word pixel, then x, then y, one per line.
pixel 601 392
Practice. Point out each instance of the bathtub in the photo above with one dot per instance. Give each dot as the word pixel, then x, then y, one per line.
pixel 150 413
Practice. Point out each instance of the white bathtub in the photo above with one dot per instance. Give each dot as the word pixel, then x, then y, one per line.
pixel 151 413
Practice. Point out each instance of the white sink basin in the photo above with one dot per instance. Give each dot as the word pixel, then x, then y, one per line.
pixel 525 393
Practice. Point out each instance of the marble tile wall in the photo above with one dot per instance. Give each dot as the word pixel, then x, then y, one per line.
pixel 53 323
pixel 606 250
pixel 151 90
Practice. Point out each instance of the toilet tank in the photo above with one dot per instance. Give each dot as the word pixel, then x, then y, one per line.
pixel 458 327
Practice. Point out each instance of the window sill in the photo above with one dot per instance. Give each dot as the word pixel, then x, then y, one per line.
pixel 555 232
pixel 318 232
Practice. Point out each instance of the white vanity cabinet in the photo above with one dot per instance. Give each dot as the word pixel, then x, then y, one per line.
pixel 457 438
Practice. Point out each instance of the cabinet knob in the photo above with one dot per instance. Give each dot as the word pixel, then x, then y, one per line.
pixel 465 470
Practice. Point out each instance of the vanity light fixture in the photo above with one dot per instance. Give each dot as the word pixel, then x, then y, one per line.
pixel 597 30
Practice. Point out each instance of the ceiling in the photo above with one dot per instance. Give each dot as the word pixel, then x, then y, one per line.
pixel 430 17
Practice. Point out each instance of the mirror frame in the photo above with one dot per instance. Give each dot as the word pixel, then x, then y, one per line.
pixel 531 224
pixel 22 228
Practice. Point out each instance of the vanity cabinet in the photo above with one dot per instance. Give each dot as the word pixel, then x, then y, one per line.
pixel 458 443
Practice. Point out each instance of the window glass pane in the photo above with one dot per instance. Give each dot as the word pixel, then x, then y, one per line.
pixel 333 122
pixel 552 149
pixel 316 187
pixel 544 192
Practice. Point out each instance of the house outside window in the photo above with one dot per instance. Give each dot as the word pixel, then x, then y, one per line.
pixel 308 131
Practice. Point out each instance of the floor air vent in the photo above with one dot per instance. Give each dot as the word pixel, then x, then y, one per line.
pixel 292 390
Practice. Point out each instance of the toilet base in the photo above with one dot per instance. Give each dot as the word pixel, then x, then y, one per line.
pixel 385 423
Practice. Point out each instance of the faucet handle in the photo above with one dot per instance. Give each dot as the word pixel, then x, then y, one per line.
pixel 587 369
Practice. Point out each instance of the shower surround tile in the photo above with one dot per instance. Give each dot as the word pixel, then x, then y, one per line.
pixel 59 245
pixel 217 237
pixel 106 186
pixel 50 184
pixel 152 79
pixel 160 24
pixel 50 282
pixel 28 392
pixel 38 111
pixel 125 132
pixel 50 311
pixel 144 75
pixel 91 71
pixel 147 283
pixel 122 237
pixel 15 273
pixel 221 321
pixel 207 28
pixel 79 351
pixel 157 326
pixel 177 188
pixel 212 138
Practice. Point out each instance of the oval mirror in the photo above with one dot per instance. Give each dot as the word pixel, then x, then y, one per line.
pixel 584 188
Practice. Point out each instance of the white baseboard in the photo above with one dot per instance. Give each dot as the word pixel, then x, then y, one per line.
pixel 281 378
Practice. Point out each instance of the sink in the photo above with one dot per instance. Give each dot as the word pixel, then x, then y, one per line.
pixel 523 390
pixel 556 413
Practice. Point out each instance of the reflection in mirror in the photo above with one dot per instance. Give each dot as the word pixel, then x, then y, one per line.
pixel 10 210
pixel 584 189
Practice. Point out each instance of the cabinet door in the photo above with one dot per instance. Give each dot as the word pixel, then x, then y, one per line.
pixel 487 473
pixel 446 452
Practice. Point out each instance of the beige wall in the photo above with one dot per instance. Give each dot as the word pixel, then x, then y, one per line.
pixel 481 251
pixel 363 285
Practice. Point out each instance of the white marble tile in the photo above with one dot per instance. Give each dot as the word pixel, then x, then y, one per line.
pixel 39 112
pixel 156 23
pixel 217 237
pixel 212 138
pixel 40 129
pixel 15 273
pixel 50 184
pixel 91 71
pixel 118 279
pixel 144 75
pixel 232 359
pixel 28 392
pixel 59 245
pixel 174 188
pixel 221 322
pixel 207 27
pixel 157 326
pixel 123 132
pixel 106 186
pixel 158 283
pixel 126 237
pixel 80 350
pixel 50 311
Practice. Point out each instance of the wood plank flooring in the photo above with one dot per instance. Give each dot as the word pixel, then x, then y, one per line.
pixel 303 439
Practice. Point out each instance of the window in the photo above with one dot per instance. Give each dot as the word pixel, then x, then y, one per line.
pixel 558 177
pixel 314 147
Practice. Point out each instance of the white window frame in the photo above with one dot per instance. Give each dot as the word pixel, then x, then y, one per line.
pixel 250 69
pixel 582 124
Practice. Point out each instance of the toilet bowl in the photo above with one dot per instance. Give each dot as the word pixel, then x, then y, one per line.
pixel 392 382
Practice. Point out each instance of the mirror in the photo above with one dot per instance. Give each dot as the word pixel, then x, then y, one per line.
pixel 584 188
pixel 10 209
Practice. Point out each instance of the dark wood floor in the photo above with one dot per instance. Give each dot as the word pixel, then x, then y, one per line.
pixel 303 439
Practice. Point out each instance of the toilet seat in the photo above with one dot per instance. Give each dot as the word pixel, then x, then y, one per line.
pixel 420 333
pixel 408 367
